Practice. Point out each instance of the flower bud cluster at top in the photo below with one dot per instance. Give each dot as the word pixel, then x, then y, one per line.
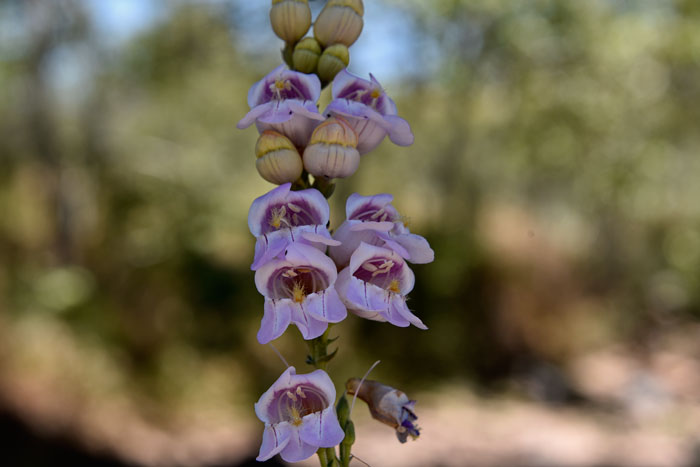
pixel 309 276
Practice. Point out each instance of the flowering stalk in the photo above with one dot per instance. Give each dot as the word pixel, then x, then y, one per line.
pixel 308 277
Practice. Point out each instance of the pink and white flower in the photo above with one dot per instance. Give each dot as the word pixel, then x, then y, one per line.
pixel 281 217
pixel 299 416
pixel 373 220
pixel 299 289
pixel 365 105
pixel 375 285
pixel 285 101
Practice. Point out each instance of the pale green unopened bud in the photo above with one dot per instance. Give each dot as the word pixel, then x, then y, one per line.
pixel 290 19
pixel 333 59
pixel 278 161
pixel 340 22
pixel 332 150
pixel 306 54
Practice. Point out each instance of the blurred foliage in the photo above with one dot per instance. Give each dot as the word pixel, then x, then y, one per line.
pixel 555 173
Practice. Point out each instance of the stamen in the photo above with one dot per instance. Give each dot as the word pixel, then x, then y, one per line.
pixel 300 392
pixel 291 395
pixel 377 214
pixel 369 267
pixel 296 219
pixel 294 207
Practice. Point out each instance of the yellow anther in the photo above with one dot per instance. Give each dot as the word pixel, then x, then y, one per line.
pixel 280 84
pixel 291 395
pixel 294 207
pixel 394 286
pixel 300 392
pixel 376 93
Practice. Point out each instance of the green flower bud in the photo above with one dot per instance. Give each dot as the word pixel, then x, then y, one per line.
pixel 340 22
pixel 332 150
pixel 290 19
pixel 306 54
pixel 333 59
pixel 342 409
pixel 278 161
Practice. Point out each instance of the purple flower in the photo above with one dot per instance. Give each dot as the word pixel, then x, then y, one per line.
pixel 285 101
pixel 375 284
pixel 281 216
pixel 299 416
pixel 299 289
pixel 373 220
pixel 373 115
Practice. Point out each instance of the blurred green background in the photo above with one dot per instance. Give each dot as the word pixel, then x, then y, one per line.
pixel 555 172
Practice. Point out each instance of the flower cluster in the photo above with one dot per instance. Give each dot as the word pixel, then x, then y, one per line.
pixel 309 276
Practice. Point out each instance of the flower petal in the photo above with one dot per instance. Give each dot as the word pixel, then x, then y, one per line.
pixel 326 306
pixel 275 439
pixel 297 450
pixel 309 326
pixel 399 308
pixel 417 247
pixel 305 109
pixel 253 115
pixel 322 429
pixel 269 247
pixel 322 237
pixel 400 132
pixel 276 318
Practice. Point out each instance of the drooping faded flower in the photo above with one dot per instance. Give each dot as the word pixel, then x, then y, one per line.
pixel 369 110
pixel 298 289
pixel 299 416
pixel 373 220
pixel 281 217
pixel 387 405
pixel 285 101
pixel 375 285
